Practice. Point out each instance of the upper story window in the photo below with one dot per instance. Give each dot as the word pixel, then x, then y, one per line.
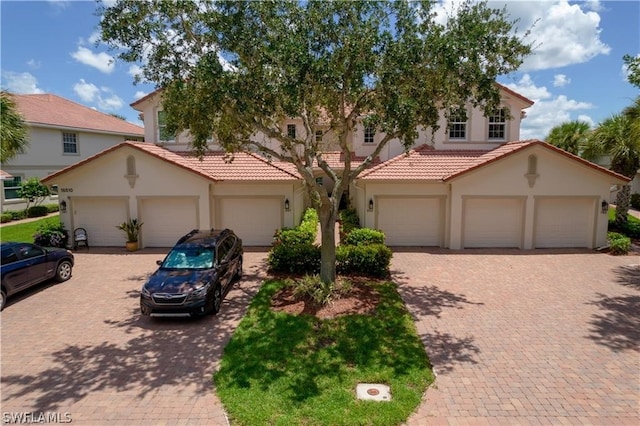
pixel 163 134
pixel 69 143
pixel 11 187
pixel 369 134
pixel 291 131
pixel 457 125
pixel 498 125
pixel 318 135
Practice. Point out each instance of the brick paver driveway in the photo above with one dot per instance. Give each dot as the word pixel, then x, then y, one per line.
pixel 521 337
pixel 82 348
pixel 515 338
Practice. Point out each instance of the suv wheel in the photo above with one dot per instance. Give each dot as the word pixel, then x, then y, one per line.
pixel 216 301
pixel 63 272
pixel 239 270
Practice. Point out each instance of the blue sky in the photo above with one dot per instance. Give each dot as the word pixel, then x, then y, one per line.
pixel 576 71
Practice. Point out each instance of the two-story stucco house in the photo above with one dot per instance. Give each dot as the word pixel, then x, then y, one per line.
pixel 473 184
pixel 61 133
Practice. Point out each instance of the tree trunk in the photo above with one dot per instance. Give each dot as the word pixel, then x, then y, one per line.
pixel 327 215
pixel 622 204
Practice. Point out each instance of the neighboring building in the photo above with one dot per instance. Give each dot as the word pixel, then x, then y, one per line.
pixel 61 133
pixel 474 184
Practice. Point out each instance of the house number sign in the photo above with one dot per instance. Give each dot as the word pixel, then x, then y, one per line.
pixel 66 189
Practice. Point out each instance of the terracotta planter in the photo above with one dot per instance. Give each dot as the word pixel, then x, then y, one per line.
pixel 132 246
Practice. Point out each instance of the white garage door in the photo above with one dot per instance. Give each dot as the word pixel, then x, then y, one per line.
pixel 564 222
pixel 493 222
pixel 167 219
pixel 254 219
pixel 100 216
pixel 411 221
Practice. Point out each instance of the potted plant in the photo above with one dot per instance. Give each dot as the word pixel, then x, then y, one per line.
pixel 132 229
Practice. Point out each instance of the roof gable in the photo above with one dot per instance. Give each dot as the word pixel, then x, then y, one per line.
pixel 52 110
pixel 215 166
pixel 427 164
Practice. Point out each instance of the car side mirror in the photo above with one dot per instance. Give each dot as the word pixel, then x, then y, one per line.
pixel 159 262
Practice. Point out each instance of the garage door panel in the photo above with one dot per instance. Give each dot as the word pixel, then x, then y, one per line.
pixel 493 222
pixel 100 216
pixel 254 219
pixel 167 219
pixel 411 221
pixel 564 222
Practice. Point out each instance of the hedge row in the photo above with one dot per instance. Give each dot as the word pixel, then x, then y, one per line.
pixel 33 211
pixel 362 251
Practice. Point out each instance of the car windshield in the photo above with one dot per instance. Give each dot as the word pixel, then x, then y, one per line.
pixel 189 258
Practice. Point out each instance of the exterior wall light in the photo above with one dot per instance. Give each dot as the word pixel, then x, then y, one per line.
pixel 286 204
pixel 370 204
pixel 63 206
pixel 604 206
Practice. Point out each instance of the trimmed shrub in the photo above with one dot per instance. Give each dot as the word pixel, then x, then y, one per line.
pixel 294 258
pixel 373 259
pixel 18 214
pixel 51 235
pixel 364 236
pixel 619 243
pixel 305 233
pixel 349 221
pixel 52 208
pixel 6 217
pixel 37 211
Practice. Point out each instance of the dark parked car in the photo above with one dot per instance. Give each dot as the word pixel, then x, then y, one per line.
pixel 195 276
pixel 25 265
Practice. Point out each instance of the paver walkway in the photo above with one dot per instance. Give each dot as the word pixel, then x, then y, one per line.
pixel 521 337
pixel 516 337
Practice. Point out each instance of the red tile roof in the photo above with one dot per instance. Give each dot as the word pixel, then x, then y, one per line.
pixel 216 166
pixel 239 166
pixel 4 175
pixel 427 164
pixel 55 111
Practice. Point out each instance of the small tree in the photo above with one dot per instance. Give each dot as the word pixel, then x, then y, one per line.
pixel 33 191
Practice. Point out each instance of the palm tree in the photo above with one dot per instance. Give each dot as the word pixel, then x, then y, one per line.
pixel 570 136
pixel 614 138
pixel 13 130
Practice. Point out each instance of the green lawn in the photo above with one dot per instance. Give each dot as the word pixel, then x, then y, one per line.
pixel 23 232
pixel 282 369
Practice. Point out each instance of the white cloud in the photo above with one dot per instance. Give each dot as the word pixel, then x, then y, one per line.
pixel 88 92
pixel 139 95
pixel 33 64
pixel 110 103
pixel 135 71
pixel 22 83
pixel 101 61
pixel 103 96
pixel 548 110
pixel 561 33
pixel 560 80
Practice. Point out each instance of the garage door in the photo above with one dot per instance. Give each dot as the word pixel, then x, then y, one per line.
pixel 493 222
pixel 100 216
pixel 167 219
pixel 254 219
pixel 564 222
pixel 411 221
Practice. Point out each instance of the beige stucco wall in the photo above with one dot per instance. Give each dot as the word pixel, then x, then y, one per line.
pixel 558 176
pixel 105 177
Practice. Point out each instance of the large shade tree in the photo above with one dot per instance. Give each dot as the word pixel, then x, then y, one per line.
pixel 14 137
pixel 570 136
pixel 236 69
